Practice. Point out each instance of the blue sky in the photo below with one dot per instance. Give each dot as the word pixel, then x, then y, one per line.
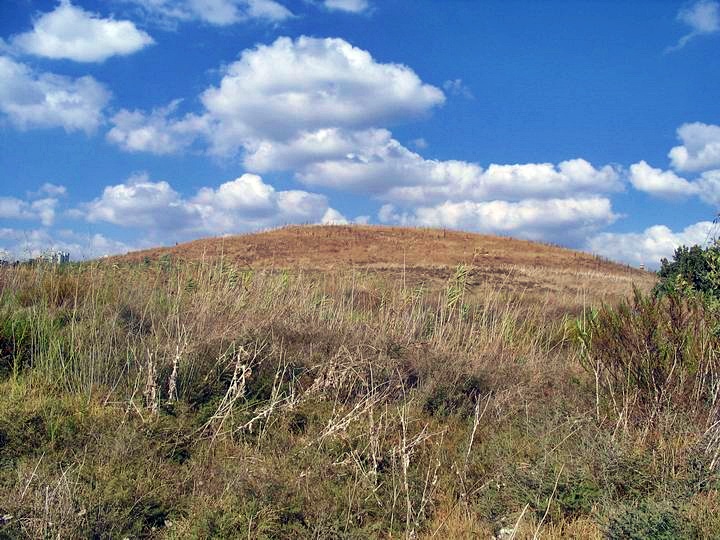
pixel 131 123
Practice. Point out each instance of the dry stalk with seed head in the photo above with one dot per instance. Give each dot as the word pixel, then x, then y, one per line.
pixel 340 422
pixel 244 363
pixel 712 434
pixel 151 388
pixel 405 449
pixel 275 402
pixel 180 347
pixel 476 422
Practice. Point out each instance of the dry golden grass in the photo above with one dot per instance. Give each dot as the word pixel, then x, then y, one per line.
pixel 204 395
pixel 415 255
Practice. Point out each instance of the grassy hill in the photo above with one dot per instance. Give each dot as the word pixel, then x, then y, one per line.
pixel 427 256
pixel 353 382
pixel 344 246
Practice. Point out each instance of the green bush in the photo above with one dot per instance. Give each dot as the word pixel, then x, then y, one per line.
pixel 649 521
pixel 693 270
pixel 657 349
pixel 458 397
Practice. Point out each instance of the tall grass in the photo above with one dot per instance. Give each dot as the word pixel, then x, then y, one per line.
pixel 651 353
pixel 201 400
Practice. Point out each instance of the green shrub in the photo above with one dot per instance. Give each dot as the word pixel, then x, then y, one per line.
pixel 692 270
pixel 649 521
pixel 458 397
pixel 657 349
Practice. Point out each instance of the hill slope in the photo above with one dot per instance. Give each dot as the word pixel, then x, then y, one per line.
pixel 426 256
pixel 334 246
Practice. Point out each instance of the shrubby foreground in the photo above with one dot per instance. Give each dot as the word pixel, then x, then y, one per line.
pixel 203 400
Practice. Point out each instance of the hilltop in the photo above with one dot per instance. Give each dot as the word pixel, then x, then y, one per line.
pixel 416 255
pixel 333 246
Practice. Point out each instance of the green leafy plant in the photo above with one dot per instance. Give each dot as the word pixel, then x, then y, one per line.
pixel 649 520
pixel 652 350
pixel 693 270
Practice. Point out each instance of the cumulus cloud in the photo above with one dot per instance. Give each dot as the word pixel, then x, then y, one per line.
pixel 275 91
pixel 313 106
pixel 703 18
pixel 156 132
pixel 44 100
pixel 215 12
pixel 373 162
pixel 420 143
pixel 708 187
pixel 69 32
pixel 142 203
pixel 571 219
pixel 350 6
pixel 50 189
pixel 42 210
pixel 651 245
pixel 667 184
pixel 283 91
pixel 243 204
pixel 700 149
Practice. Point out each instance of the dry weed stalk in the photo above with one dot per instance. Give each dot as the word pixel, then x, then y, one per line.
pixel 180 347
pixel 277 400
pixel 151 388
pixel 476 422
pixel 51 510
pixel 244 362
pixel 405 449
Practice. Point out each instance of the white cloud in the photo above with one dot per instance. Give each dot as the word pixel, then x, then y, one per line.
pixel 708 187
pixel 157 133
pixel 333 217
pixel 277 91
pixel 371 161
pixel 661 183
pixel 457 87
pixel 12 208
pixel 669 185
pixel 44 100
pixel 419 143
pixel 142 203
pixel 42 210
pixel 267 9
pixel 703 18
pixel 284 98
pixel 569 219
pixel 69 32
pixel 215 12
pixel 246 203
pixel 313 107
pixel 310 147
pixel 351 6
pixel 700 149
pixel 651 245
pixel 50 189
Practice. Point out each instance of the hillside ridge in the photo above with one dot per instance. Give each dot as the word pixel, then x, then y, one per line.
pixel 336 246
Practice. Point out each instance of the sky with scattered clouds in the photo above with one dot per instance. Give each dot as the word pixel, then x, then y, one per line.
pixel 131 123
